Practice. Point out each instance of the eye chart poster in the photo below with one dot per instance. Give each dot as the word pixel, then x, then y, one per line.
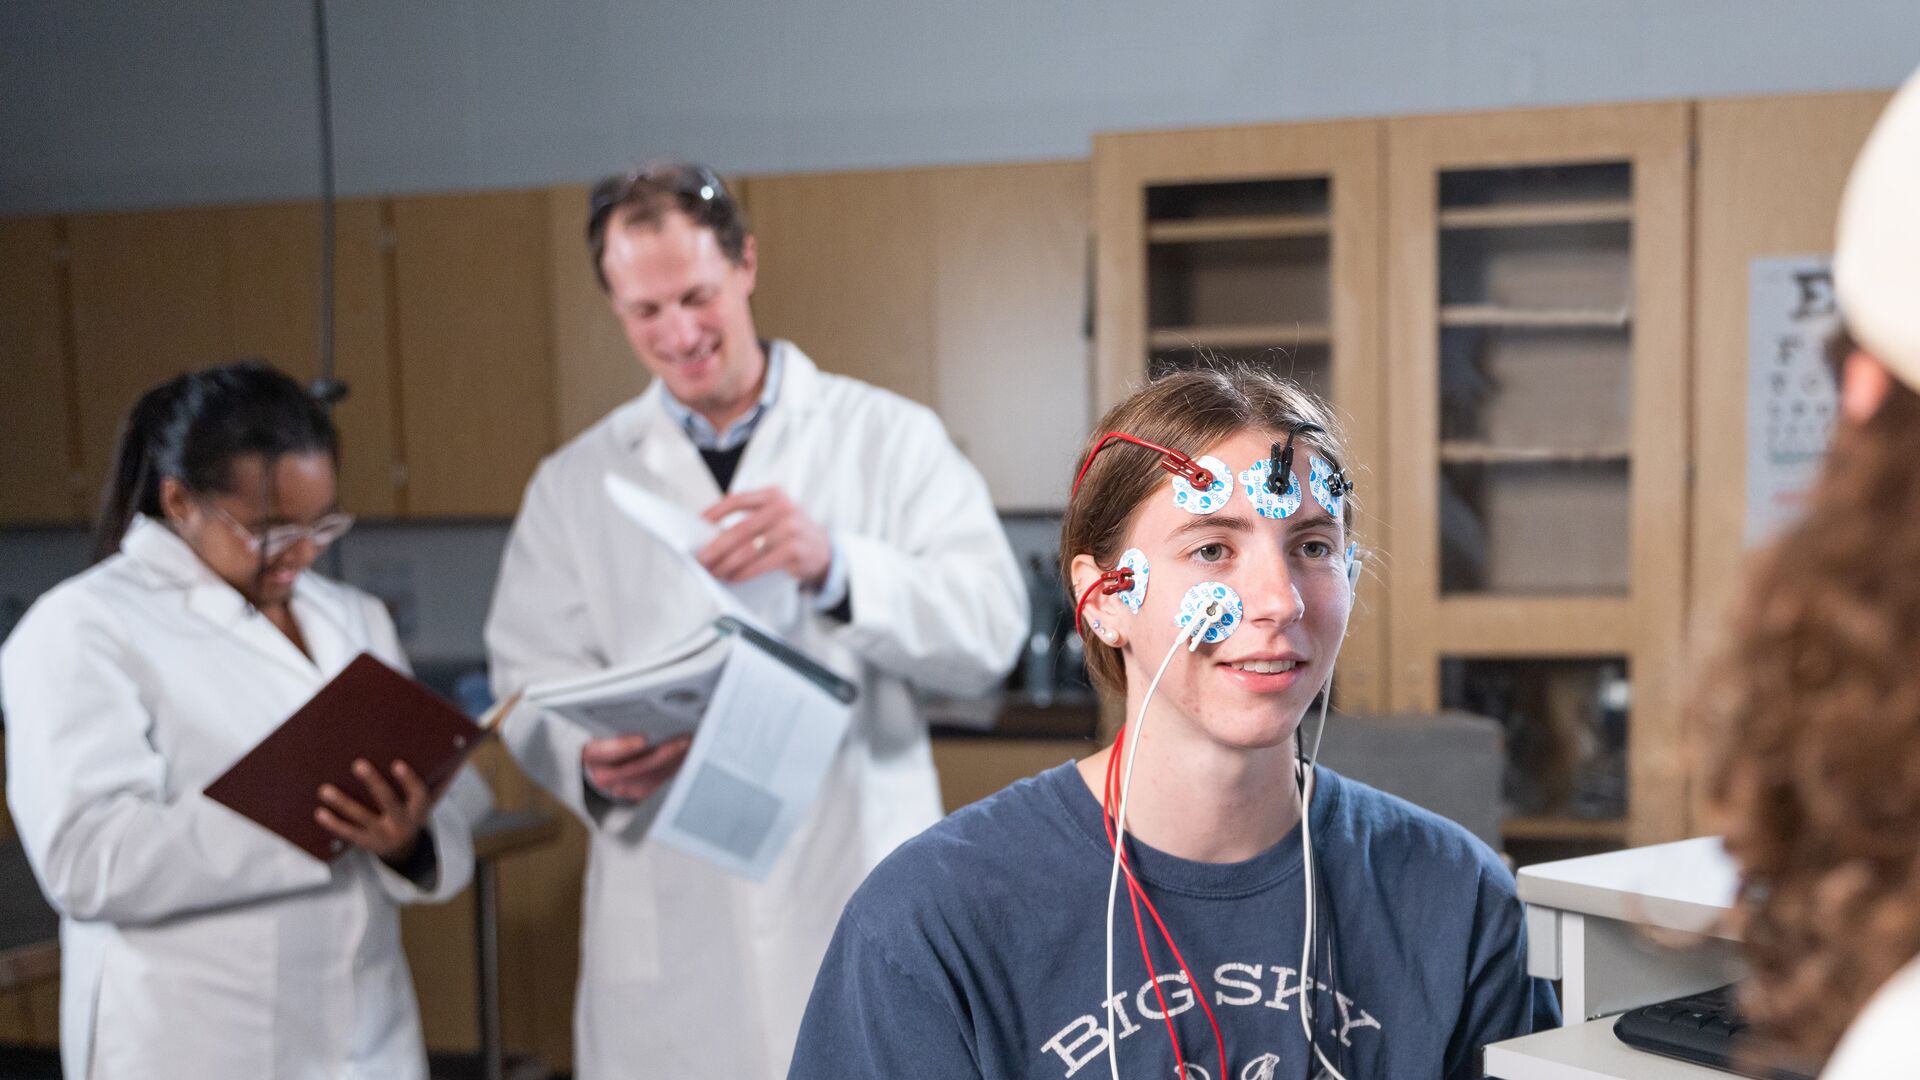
pixel 1790 393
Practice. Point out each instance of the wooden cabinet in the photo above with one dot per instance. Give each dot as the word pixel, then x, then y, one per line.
pixel 1768 183
pixel 273 302
pixel 1536 285
pixel 1010 343
pixel 961 288
pixel 1260 244
pixel 37 407
pixel 474 343
pixel 150 301
pixel 846 272
pixel 158 293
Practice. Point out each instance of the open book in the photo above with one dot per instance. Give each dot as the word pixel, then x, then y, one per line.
pixel 367 711
pixel 766 720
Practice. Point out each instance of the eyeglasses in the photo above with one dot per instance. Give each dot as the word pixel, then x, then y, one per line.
pixel 684 179
pixel 278 540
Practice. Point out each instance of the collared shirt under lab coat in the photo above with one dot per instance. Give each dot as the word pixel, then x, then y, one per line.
pixel 687 971
pixel 195 943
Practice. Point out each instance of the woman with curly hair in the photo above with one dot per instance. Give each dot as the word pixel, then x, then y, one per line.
pixel 1815 707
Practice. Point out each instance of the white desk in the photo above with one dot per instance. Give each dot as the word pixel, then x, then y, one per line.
pixel 1587 1051
pixel 1621 930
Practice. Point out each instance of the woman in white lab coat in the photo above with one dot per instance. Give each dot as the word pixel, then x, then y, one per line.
pixel 195 943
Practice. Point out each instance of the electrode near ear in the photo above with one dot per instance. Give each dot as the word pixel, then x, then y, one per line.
pixel 1134 560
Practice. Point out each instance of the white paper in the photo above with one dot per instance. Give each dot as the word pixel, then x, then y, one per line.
pixel 1791 400
pixel 755 766
pixel 771 598
pixel 663 699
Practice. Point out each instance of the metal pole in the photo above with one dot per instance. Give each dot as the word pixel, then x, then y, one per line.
pixel 486 907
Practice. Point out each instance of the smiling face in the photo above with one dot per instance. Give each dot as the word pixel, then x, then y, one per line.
pixel 1250 690
pixel 684 308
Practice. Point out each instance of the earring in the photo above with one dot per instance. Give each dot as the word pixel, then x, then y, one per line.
pixel 1104 633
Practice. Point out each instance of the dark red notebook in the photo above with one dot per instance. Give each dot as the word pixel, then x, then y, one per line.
pixel 368 711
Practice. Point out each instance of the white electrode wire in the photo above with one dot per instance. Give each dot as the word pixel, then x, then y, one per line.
pixel 1197 630
pixel 1306 867
pixel 1119 841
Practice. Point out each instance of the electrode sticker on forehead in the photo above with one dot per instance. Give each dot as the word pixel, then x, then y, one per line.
pixel 1326 491
pixel 1193 608
pixel 1135 560
pixel 1213 498
pixel 1266 503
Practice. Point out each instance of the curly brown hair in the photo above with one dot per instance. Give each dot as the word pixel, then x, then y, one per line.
pixel 1813 709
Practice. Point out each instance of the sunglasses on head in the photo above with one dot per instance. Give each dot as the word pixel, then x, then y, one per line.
pixel 686 180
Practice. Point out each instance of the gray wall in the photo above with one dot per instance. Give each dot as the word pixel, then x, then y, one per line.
pixel 121 103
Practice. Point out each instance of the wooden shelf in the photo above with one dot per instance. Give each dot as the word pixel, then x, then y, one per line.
pixel 1588 830
pixel 1264 227
pixel 1457 452
pixel 1598 212
pixel 1553 319
pixel 1279 335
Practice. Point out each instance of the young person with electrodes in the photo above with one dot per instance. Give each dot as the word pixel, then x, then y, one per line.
pixel 1150 911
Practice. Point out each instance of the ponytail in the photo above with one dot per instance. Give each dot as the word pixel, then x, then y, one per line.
pixel 193 426
pixel 134 485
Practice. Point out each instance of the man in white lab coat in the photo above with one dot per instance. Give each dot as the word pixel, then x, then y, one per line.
pixel 903 580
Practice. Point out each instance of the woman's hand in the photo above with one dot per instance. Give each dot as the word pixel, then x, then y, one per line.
pixel 391 827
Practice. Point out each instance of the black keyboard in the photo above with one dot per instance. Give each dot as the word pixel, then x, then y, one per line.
pixel 1705 1029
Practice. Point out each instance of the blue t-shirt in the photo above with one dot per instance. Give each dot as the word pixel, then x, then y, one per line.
pixel 977 950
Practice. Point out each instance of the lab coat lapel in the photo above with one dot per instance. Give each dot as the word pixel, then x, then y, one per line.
pixel 761 462
pixel 666 455
pixel 327 620
pixel 170 564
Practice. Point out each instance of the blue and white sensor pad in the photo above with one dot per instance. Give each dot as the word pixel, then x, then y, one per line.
pixel 1193 609
pixel 1213 498
pixel 1321 482
pixel 1135 560
pixel 1266 503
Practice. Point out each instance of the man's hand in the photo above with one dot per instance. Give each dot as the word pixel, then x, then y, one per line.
pixel 629 767
pixel 774 535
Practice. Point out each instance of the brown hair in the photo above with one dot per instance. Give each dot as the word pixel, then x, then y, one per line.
pixel 646 195
pixel 1813 710
pixel 1189 411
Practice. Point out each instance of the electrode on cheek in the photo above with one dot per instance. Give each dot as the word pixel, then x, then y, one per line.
pixel 1135 560
pixel 1209 499
pixel 1214 605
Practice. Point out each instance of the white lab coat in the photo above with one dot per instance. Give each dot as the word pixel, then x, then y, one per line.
pixel 193 941
pixel 687 971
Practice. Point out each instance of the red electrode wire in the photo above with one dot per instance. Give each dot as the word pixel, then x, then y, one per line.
pixel 1113 581
pixel 1173 461
pixel 1137 895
